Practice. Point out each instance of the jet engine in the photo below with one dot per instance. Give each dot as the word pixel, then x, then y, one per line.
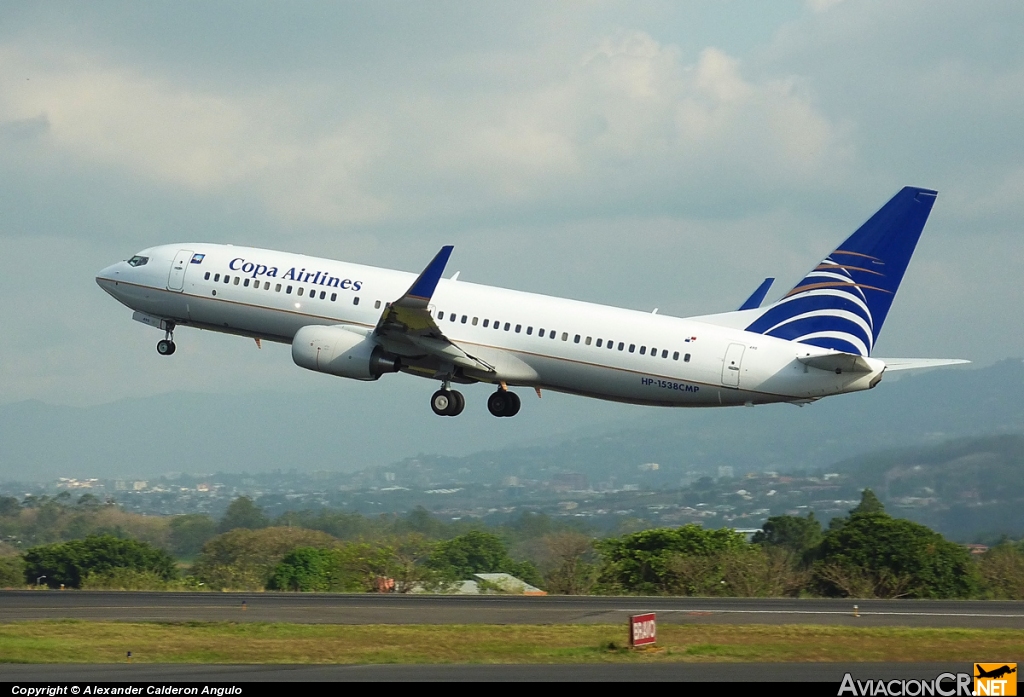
pixel 343 350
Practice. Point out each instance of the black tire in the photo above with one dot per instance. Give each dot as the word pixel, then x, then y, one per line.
pixel 441 402
pixel 458 403
pixel 165 347
pixel 513 404
pixel 498 403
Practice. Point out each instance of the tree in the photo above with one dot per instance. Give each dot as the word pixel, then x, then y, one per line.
pixel 9 506
pixel 188 533
pixel 69 563
pixel 874 554
pixel 869 503
pixel 347 568
pixel 794 534
pixel 646 562
pixel 1002 571
pixel 245 559
pixel 478 552
pixel 243 513
pixel 569 558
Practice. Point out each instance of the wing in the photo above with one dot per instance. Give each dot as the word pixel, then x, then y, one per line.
pixel 407 327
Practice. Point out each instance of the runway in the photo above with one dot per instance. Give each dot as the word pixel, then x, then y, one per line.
pixel 600 672
pixel 317 608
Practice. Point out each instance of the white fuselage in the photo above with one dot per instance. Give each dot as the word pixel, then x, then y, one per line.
pixel 587 349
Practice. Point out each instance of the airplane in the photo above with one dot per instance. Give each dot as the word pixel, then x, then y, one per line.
pixel 362 322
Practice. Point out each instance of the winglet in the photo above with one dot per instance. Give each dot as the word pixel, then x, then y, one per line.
pixel 422 289
pixel 755 300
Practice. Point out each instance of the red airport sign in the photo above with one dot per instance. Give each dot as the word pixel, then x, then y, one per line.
pixel 642 630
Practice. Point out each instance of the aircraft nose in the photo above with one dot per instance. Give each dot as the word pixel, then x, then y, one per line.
pixel 109 275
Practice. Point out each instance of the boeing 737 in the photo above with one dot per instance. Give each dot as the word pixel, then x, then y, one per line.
pixel 361 322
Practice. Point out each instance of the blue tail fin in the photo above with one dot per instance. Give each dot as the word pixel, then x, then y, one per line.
pixel 843 302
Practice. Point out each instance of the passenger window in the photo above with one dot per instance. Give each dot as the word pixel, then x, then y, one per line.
pixel 540 333
pixel 288 290
pixel 334 296
pixel 216 279
pixel 519 328
pixel 376 305
pixel 266 285
pixel 576 340
pixel 587 342
pixel 475 319
pixel 611 345
pixel 277 288
pixel 452 317
pixel 675 356
pixel 621 345
pixel 486 323
pixel 529 331
pixel 565 336
pixel 632 348
pixel 299 293
pixel 643 350
pixel 664 353
pixel 207 276
pixel 497 324
pixel 246 284
pixel 507 325
pixel 323 294
pixel 551 334
pixel 227 279
pixel 599 343
pixel 686 358
pixel 464 318
pixel 355 300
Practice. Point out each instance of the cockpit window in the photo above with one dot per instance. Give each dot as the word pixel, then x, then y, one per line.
pixel 138 261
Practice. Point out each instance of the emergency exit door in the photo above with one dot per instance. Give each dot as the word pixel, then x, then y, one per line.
pixel 176 278
pixel 732 364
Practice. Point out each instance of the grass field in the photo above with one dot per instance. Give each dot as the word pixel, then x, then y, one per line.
pixel 218 642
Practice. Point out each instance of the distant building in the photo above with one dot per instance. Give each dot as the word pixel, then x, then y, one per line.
pixel 569 481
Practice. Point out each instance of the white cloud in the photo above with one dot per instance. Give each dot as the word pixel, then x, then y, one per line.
pixel 631 107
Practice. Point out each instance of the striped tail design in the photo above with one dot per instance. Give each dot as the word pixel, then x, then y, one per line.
pixel 842 303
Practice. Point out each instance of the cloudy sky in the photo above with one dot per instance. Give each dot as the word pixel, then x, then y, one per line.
pixel 643 154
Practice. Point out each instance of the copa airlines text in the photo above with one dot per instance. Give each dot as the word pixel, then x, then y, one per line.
pixel 361 322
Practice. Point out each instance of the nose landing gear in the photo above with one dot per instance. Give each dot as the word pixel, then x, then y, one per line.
pixel 165 347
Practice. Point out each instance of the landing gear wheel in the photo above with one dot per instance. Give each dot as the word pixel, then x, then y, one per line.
pixel 513 404
pixel 459 403
pixel 440 402
pixel 503 403
pixel 165 347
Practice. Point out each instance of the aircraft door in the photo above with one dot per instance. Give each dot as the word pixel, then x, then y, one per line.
pixel 731 365
pixel 176 278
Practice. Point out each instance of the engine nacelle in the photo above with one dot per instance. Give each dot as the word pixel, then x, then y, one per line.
pixel 343 350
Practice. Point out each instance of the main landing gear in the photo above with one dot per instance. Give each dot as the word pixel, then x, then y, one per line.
pixel 446 402
pixel 503 403
pixel 165 347
pixel 449 402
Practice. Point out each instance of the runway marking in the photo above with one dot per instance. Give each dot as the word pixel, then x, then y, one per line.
pixel 831 612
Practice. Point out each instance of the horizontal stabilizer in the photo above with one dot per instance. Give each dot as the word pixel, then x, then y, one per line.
pixel 755 300
pixel 919 363
pixel 838 362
